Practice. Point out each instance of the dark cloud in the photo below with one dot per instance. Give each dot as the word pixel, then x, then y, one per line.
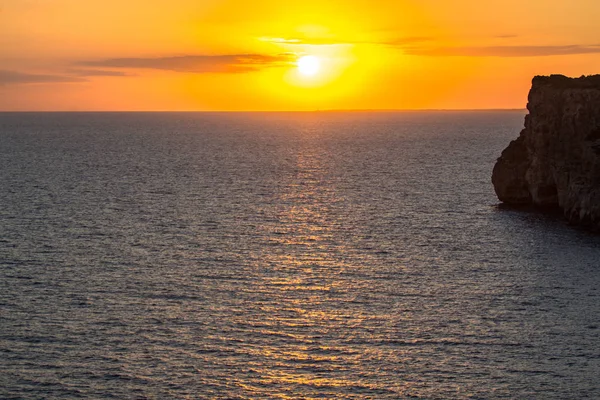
pixel 200 64
pixel 14 77
pixel 502 51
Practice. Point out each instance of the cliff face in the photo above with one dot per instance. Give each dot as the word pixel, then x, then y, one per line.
pixel 555 162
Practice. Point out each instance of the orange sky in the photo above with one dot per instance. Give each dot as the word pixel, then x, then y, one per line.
pixel 241 55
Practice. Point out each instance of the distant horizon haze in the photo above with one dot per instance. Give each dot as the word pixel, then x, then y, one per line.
pixel 424 110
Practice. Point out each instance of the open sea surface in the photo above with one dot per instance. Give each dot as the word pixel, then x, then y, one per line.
pixel 283 256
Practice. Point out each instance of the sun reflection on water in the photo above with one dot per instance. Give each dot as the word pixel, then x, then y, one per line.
pixel 309 291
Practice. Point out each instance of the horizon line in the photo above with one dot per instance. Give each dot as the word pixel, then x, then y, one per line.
pixel 358 110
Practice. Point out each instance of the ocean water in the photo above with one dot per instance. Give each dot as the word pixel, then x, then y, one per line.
pixel 283 256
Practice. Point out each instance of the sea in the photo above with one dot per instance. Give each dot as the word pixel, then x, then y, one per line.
pixel 317 255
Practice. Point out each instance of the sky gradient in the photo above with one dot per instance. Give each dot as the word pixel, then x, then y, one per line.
pixel 234 55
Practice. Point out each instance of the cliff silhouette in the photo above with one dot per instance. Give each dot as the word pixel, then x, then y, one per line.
pixel 555 161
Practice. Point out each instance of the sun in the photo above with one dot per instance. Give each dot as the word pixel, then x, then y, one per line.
pixel 309 65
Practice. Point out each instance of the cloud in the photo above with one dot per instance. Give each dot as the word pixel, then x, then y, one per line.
pixel 332 42
pixel 502 51
pixel 280 40
pixel 311 41
pixel 113 67
pixel 14 77
pixel 97 72
pixel 200 64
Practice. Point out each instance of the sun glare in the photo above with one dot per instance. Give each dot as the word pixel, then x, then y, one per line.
pixel 309 65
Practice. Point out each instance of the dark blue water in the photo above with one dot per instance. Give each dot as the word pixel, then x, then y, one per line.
pixel 283 256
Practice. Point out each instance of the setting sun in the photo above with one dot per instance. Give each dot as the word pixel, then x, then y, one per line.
pixel 309 65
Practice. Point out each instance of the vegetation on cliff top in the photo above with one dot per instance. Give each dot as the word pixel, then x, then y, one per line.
pixel 564 82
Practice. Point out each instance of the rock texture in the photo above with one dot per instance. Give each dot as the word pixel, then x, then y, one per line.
pixel 555 162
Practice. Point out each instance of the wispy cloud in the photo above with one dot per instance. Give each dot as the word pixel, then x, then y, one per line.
pixel 200 64
pixel 83 71
pixel 308 41
pixel 15 77
pixel 281 40
pixel 97 72
pixel 501 51
pixel 429 46
pixel 401 41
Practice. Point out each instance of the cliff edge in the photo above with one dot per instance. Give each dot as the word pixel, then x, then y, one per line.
pixel 555 162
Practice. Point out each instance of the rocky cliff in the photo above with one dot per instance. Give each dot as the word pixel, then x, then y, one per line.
pixel 555 162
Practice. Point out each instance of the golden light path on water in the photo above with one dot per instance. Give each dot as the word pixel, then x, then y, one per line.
pixel 305 296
